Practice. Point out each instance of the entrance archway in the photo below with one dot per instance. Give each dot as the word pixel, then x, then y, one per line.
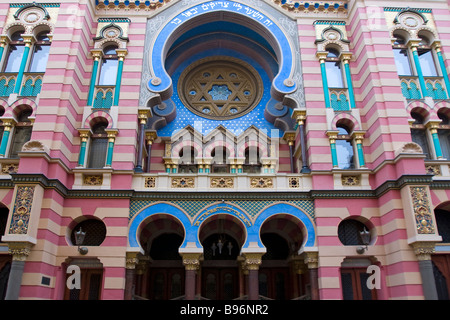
pixel 160 273
pixel 222 237
pixel 282 236
pixel 441 261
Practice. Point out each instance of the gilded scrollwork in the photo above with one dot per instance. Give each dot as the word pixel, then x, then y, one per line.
pixel 422 211
pixel 22 210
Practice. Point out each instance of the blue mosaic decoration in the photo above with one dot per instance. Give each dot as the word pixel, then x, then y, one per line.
pixel 204 210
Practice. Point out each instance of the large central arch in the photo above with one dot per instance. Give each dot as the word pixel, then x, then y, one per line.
pixel 277 31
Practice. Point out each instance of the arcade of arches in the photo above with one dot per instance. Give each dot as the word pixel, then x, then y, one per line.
pixel 221 271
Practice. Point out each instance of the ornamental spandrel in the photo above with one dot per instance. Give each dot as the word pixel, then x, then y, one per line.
pixel 220 88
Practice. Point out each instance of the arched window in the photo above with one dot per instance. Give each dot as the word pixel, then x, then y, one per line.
pixel 220 160
pixel 95 232
pixel 426 58
pixel 344 149
pixel 40 53
pixel 187 160
pixel 401 56
pixel 334 70
pixel 98 146
pixel 15 52
pixel 22 132
pixel 349 232
pixel 252 162
pixel 444 133
pixel 419 134
pixel 108 69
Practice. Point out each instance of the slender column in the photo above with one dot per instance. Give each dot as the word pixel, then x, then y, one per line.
pixel 121 53
pixel 252 262
pixel 111 139
pixel 300 117
pixel 348 75
pixel 97 54
pixel 322 56
pixel 423 251
pixel 332 136
pixel 437 47
pixel 7 123
pixel 359 140
pixel 131 262
pixel 4 40
pixel 312 261
pixel 28 43
pixel 290 138
pixel 143 116
pixel 150 136
pixel 20 252
pixel 84 135
pixel 423 87
pixel 191 262
pixel 433 126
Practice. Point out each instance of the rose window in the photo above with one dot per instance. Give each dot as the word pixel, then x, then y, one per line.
pixel 220 88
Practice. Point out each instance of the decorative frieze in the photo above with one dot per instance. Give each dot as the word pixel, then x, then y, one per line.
pixel 22 209
pixel 422 210
pixel 351 180
pixel 183 183
pixel 8 168
pixel 434 170
pixel 93 180
pixel 222 182
pixel 150 182
pixel 261 183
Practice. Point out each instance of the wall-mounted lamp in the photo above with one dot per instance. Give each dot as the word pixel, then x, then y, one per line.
pixel 79 239
pixel 365 237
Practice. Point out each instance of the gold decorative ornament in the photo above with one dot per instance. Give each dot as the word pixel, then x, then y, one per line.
pixel 93 180
pixel 183 183
pixel 222 182
pixel 150 182
pixel 261 183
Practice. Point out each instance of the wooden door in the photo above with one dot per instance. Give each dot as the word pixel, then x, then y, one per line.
pixel 220 284
pixel 274 283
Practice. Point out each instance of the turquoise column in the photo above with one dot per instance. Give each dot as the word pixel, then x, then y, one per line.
pixel 82 155
pixel 443 69
pixel 93 80
pixel 322 56
pixel 334 154
pixel 118 82
pixel 359 148
pixel 109 153
pixel 433 127
pixel 419 71
pixel 326 90
pixel 5 139
pixel 23 64
pixel 348 76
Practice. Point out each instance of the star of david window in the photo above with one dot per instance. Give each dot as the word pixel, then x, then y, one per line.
pixel 220 88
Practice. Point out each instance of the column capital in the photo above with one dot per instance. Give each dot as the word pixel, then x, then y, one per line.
pixel 191 260
pixel 97 53
pixel 122 53
pixel 332 135
pixel 311 259
pixel 423 249
pixel 19 250
pixel 112 133
pixel 322 55
pixel 143 115
pixel 151 135
pixel 132 260
pixel 253 260
pixel 299 116
pixel 433 125
pixel 289 136
pixel 346 56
